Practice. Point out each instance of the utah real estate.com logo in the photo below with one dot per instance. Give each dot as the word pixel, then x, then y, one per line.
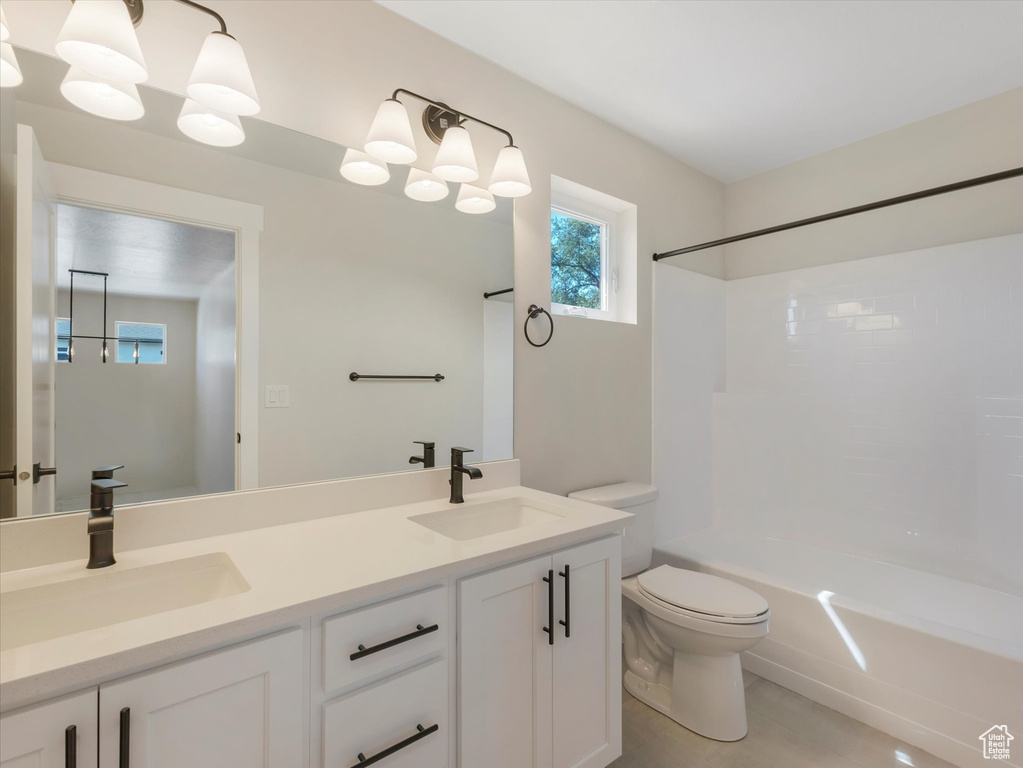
pixel 996 742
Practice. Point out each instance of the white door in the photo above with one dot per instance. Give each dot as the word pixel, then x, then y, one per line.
pixel 504 668
pixel 587 655
pixel 52 735
pixel 35 316
pixel 241 707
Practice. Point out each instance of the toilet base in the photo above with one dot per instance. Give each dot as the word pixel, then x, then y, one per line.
pixel 711 699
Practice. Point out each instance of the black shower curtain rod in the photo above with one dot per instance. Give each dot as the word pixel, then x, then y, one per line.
pixel 980 180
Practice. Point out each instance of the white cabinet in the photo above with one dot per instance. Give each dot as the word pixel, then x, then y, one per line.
pixel 539 662
pixel 241 707
pixel 58 734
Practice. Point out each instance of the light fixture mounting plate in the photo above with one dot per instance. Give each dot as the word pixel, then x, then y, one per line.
pixel 437 120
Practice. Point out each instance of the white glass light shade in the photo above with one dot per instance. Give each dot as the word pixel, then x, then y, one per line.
pixel 510 178
pixel 360 168
pixel 455 159
pixel 5 31
pixel 116 101
pixel 98 37
pixel 10 72
pixel 390 136
pixel 221 79
pixel 474 200
pixel 425 187
pixel 208 126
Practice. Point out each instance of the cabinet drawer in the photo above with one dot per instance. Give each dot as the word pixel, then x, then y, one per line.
pixel 386 717
pixel 391 634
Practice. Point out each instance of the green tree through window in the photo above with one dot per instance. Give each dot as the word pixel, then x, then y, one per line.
pixel 576 257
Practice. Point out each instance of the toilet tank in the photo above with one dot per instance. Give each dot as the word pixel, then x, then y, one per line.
pixel 638 538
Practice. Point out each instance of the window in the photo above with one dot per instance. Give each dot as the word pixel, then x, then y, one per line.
pixel 63 339
pixel 150 339
pixel 593 253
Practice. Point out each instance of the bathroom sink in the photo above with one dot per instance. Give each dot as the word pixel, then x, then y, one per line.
pixel 473 521
pixel 93 599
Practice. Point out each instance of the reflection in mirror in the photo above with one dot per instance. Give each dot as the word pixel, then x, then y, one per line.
pixel 195 313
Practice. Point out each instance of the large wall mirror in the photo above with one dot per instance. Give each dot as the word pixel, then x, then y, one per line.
pixel 196 314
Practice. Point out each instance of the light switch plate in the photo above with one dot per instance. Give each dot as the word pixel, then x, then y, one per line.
pixel 276 396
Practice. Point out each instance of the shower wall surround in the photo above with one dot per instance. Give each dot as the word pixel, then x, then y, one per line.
pixel 876 407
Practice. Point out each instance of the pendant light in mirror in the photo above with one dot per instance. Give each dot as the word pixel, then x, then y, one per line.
pixel 474 200
pixel 98 37
pixel 218 129
pixel 456 160
pixel 5 31
pixel 425 187
pixel 390 136
pixel 510 178
pixel 360 168
pixel 116 101
pixel 221 79
pixel 10 72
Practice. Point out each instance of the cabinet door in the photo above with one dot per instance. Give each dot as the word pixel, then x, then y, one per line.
pixel 241 707
pixel 587 655
pixel 504 668
pixel 57 734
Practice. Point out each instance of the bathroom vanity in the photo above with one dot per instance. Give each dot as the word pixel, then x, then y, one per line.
pixel 423 634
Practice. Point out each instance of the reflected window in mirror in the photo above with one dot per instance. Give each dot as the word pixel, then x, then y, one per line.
pixel 63 333
pixel 144 343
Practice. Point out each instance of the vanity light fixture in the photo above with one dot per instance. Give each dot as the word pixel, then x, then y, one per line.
pixel 221 79
pixel 474 200
pixel 510 178
pixel 10 72
pixel 116 101
pixel 360 168
pixel 456 160
pixel 99 37
pixel 424 186
pixel 390 136
pixel 5 31
pixel 135 352
pixel 218 129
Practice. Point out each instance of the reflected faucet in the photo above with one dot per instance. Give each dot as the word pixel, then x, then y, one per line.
pixel 101 516
pixel 457 470
pixel 428 457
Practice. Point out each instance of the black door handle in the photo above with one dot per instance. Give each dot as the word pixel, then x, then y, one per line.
pixel 39 471
pixel 549 629
pixel 71 747
pixel 10 474
pixel 567 623
pixel 420 631
pixel 421 733
pixel 124 758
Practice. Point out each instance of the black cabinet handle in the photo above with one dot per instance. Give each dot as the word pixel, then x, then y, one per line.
pixel 71 747
pixel 123 756
pixel 420 631
pixel 549 629
pixel 421 733
pixel 567 623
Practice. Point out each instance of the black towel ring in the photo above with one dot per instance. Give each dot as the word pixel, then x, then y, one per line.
pixel 534 312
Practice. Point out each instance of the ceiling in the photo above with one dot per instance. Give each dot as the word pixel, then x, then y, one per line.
pixel 144 257
pixel 738 88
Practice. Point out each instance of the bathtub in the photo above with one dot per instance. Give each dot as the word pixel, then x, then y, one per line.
pixel 930 660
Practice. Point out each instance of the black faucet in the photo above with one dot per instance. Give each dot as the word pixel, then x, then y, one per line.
pixel 101 516
pixel 457 470
pixel 428 458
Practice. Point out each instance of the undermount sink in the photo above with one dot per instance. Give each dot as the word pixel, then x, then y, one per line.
pixel 474 521
pixel 100 598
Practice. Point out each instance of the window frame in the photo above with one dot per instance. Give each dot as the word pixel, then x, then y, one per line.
pixel 117 336
pixel 584 210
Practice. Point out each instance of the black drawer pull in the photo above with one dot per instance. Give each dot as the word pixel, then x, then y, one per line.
pixel 421 733
pixel 567 623
pixel 71 747
pixel 549 629
pixel 420 631
pixel 124 757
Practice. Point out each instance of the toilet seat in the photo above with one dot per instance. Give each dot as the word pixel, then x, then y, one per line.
pixel 702 596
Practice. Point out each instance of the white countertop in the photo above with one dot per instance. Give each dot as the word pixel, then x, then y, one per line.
pixel 293 571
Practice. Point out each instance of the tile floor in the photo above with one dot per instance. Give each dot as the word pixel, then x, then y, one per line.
pixel 786 730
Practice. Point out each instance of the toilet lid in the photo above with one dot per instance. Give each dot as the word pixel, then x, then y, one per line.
pixel 702 592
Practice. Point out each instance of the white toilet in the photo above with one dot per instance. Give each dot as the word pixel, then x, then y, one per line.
pixel 682 630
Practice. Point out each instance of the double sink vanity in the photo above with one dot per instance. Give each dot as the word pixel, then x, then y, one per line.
pixel 422 633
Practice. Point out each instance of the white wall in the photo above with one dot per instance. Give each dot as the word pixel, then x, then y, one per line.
pixel 215 384
pixel 142 416
pixel 876 407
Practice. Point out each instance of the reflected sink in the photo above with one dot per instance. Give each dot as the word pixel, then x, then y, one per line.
pixel 473 521
pixel 101 598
